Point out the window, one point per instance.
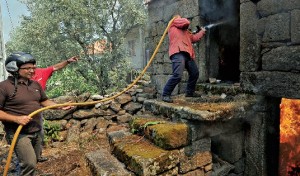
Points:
(131, 47)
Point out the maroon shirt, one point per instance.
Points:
(26, 101)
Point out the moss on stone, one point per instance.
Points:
(169, 135)
(138, 123)
(134, 146)
(144, 158)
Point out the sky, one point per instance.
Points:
(16, 10)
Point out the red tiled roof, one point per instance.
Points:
(98, 47)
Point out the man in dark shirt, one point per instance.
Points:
(20, 96)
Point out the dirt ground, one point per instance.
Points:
(69, 159)
(66, 159)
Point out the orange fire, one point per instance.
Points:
(289, 137)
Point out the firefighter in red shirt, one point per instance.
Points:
(182, 55)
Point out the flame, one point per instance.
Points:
(289, 137)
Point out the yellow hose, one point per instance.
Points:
(13, 143)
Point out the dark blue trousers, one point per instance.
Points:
(181, 61)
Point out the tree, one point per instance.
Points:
(62, 28)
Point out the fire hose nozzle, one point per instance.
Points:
(205, 27)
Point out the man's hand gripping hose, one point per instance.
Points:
(12, 146)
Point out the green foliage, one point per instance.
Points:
(65, 81)
(57, 30)
(134, 131)
(51, 131)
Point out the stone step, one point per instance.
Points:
(101, 163)
(211, 118)
(179, 143)
(176, 156)
(144, 158)
(206, 118)
(204, 108)
(162, 133)
(169, 135)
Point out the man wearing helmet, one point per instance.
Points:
(20, 96)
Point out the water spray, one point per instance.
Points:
(215, 24)
(210, 25)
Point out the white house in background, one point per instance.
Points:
(135, 47)
(135, 44)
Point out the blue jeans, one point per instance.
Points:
(181, 61)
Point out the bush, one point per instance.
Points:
(51, 132)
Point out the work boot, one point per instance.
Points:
(194, 94)
(167, 99)
(42, 159)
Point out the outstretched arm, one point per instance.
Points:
(63, 64)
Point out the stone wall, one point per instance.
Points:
(269, 65)
(80, 121)
(269, 44)
(270, 47)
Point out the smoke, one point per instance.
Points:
(219, 11)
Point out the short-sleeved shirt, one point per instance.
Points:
(42, 75)
(27, 99)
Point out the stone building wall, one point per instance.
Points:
(269, 44)
(269, 65)
(270, 47)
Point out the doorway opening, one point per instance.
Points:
(222, 39)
